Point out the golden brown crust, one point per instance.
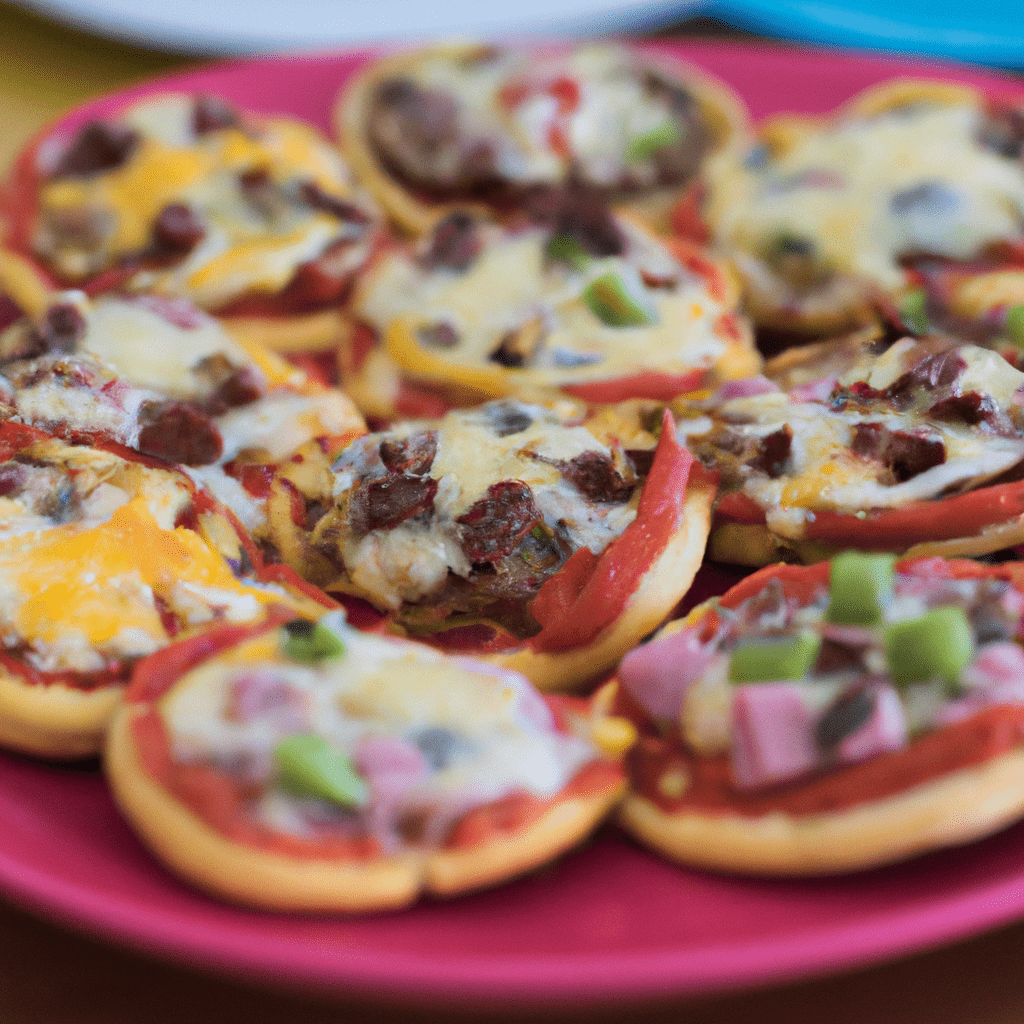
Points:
(753, 544)
(53, 720)
(805, 364)
(901, 92)
(661, 587)
(723, 109)
(949, 811)
(275, 881)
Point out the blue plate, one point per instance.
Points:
(990, 32)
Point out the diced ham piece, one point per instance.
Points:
(657, 675)
(259, 696)
(996, 676)
(745, 388)
(886, 729)
(391, 766)
(772, 735)
(814, 391)
(995, 665)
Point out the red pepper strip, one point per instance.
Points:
(474, 640)
(321, 367)
(156, 674)
(574, 610)
(1008, 252)
(255, 477)
(362, 341)
(963, 515)
(661, 387)
(415, 401)
(696, 261)
(203, 501)
(739, 507)
(686, 217)
(799, 581)
(14, 437)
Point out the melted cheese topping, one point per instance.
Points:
(512, 286)
(133, 354)
(149, 351)
(409, 561)
(868, 190)
(245, 248)
(280, 423)
(80, 593)
(822, 472)
(498, 735)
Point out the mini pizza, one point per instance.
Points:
(106, 557)
(822, 216)
(577, 301)
(830, 718)
(463, 123)
(162, 377)
(188, 197)
(314, 767)
(918, 450)
(548, 543)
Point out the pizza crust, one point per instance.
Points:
(753, 544)
(54, 721)
(950, 811)
(661, 587)
(901, 92)
(271, 880)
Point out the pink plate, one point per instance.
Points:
(608, 921)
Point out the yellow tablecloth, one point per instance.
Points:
(49, 975)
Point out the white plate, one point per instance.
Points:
(261, 26)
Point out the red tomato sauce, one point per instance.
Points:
(86, 682)
(974, 741)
